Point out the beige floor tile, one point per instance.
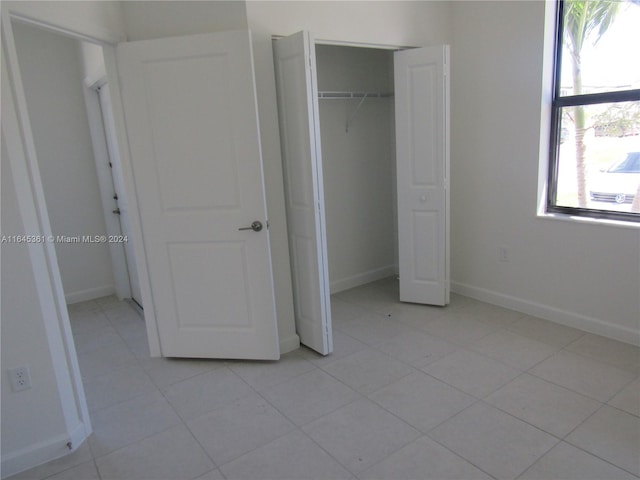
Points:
(105, 360)
(212, 475)
(342, 311)
(619, 354)
(494, 441)
(424, 459)
(492, 314)
(545, 405)
(612, 435)
(373, 299)
(167, 371)
(416, 348)
(545, 331)
(117, 386)
(567, 462)
(628, 399)
(343, 346)
(139, 346)
(459, 330)
(309, 396)
(120, 311)
(379, 342)
(514, 350)
(89, 340)
(472, 373)
(367, 370)
(129, 422)
(231, 431)
(108, 301)
(206, 392)
(583, 375)
(373, 328)
(422, 401)
(360, 434)
(262, 375)
(415, 315)
(84, 471)
(88, 306)
(293, 456)
(79, 457)
(87, 321)
(173, 454)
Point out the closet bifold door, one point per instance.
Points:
(296, 85)
(422, 156)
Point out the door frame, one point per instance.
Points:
(27, 174)
(105, 181)
(379, 46)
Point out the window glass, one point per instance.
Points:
(610, 155)
(596, 110)
(610, 62)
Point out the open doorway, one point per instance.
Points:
(356, 111)
(421, 144)
(77, 178)
(75, 156)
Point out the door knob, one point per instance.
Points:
(255, 226)
(116, 211)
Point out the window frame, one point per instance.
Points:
(557, 103)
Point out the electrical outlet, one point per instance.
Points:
(503, 254)
(20, 378)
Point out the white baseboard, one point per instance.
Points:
(362, 278)
(289, 344)
(43, 452)
(563, 317)
(89, 294)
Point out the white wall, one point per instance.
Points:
(584, 275)
(357, 165)
(33, 416)
(145, 20)
(52, 76)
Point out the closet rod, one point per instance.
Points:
(340, 95)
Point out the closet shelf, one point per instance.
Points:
(361, 95)
(342, 95)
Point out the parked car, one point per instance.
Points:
(619, 182)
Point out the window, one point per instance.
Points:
(595, 126)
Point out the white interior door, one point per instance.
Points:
(422, 155)
(120, 200)
(297, 89)
(190, 111)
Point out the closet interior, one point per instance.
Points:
(357, 131)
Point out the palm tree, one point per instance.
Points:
(582, 19)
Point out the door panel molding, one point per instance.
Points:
(422, 156)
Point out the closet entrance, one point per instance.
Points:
(364, 135)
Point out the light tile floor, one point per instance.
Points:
(470, 391)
